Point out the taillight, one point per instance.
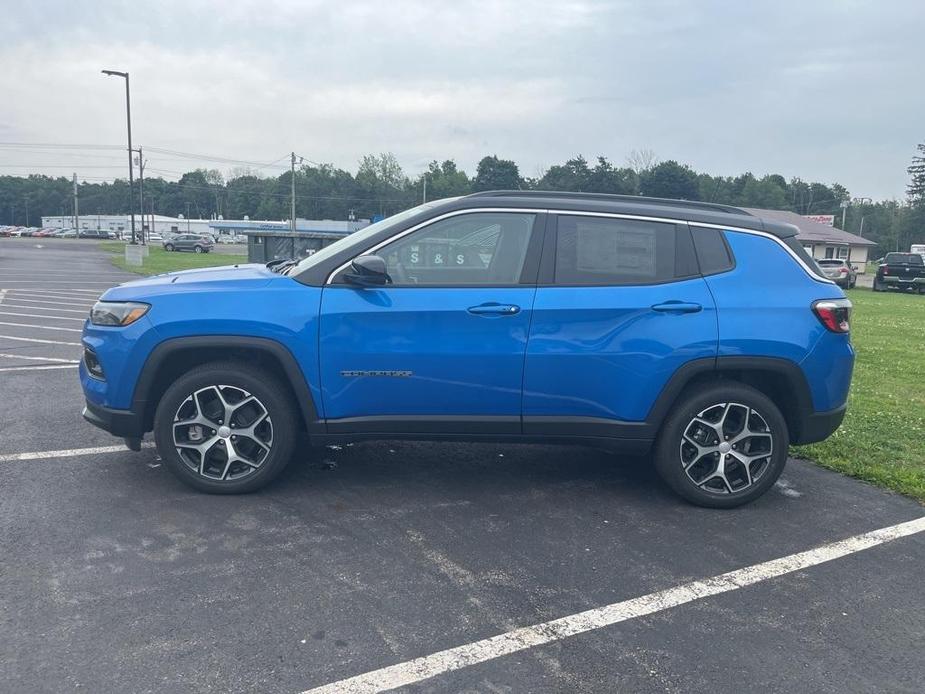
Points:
(844, 271)
(834, 314)
(886, 270)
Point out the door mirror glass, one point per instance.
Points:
(368, 271)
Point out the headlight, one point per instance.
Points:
(117, 312)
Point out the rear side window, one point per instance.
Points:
(713, 252)
(609, 251)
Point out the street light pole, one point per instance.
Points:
(128, 120)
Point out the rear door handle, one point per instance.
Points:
(493, 309)
(677, 307)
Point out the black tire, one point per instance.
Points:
(233, 376)
(877, 286)
(168, 247)
(198, 249)
(669, 451)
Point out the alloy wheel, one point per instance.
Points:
(222, 432)
(726, 448)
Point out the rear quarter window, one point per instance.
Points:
(713, 252)
(795, 246)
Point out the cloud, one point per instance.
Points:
(818, 90)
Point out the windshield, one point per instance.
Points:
(358, 237)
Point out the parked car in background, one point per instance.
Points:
(93, 234)
(153, 237)
(902, 271)
(636, 323)
(843, 273)
(189, 242)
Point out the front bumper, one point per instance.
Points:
(124, 423)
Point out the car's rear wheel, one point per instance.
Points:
(226, 428)
(723, 446)
(168, 247)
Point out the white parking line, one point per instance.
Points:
(59, 291)
(452, 659)
(43, 300)
(67, 453)
(38, 315)
(35, 339)
(7, 304)
(15, 281)
(38, 368)
(40, 327)
(23, 356)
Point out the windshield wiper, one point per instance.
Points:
(281, 266)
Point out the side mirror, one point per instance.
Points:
(368, 271)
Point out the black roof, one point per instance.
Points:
(688, 210)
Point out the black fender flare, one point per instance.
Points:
(276, 350)
(789, 372)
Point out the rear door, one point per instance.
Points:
(441, 349)
(620, 306)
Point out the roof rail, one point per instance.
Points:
(608, 197)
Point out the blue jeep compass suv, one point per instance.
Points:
(698, 332)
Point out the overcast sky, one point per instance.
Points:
(828, 90)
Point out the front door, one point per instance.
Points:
(441, 349)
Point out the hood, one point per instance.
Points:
(229, 277)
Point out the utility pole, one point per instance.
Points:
(187, 218)
(425, 187)
(141, 188)
(76, 211)
(844, 210)
(27, 210)
(292, 200)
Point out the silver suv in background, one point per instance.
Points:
(843, 273)
(189, 242)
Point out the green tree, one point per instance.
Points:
(493, 173)
(444, 180)
(916, 171)
(670, 180)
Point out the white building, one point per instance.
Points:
(121, 223)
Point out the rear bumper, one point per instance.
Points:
(820, 425)
(894, 281)
(124, 423)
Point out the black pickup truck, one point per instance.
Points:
(901, 271)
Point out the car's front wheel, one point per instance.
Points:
(723, 446)
(226, 428)
(168, 247)
(198, 249)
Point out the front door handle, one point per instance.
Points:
(677, 307)
(494, 309)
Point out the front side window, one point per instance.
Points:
(609, 251)
(483, 248)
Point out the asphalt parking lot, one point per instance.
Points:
(377, 557)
